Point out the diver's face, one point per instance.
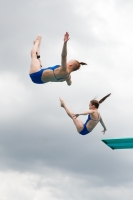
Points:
(91, 107)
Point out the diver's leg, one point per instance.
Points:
(35, 63)
(77, 122)
(62, 104)
(38, 53)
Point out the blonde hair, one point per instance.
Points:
(78, 65)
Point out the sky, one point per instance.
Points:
(42, 156)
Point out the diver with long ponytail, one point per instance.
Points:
(93, 116)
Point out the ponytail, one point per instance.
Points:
(77, 66)
(82, 63)
(104, 98)
(97, 103)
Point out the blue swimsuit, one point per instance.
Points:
(36, 77)
(85, 131)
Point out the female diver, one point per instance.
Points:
(57, 73)
(93, 117)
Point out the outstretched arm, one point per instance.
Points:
(84, 113)
(103, 125)
(64, 52)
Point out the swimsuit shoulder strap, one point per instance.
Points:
(96, 119)
(65, 76)
(62, 76)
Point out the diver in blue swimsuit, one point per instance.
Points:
(57, 73)
(93, 117)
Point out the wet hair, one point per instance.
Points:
(96, 103)
(77, 66)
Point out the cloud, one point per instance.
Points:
(56, 185)
(42, 155)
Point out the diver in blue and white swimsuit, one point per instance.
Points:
(93, 116)
(57, 73)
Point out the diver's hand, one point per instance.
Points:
(104, 131)
(75, 116)
(66, 37)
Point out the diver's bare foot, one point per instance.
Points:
(38, 39)
(62, 103)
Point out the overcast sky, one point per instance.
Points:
(41, 154)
